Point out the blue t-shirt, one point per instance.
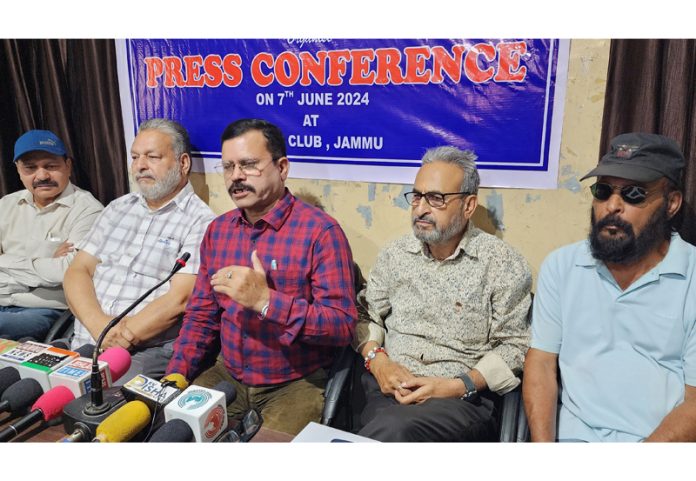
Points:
(624, 356)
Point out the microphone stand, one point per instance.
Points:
(97, 405)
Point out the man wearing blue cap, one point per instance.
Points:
(615, 314)
(38, 227)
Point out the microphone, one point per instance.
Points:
(119, 361)
(85, 350)
(76, 375)
(37, 361)
(177, 379)
(124, 423)
(60, 344)
(152, 392)
(181, 262)
(8, 376)
(114, 363)
(19, 396)
(97, 405)
(173, 431)
(47, 407)
(204, 410)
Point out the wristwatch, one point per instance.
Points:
(471, 393)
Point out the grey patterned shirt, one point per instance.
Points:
(443, 318)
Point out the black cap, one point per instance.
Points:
(641, 157)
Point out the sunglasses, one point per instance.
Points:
(245, 430)
(631, 194)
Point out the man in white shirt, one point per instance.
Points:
(134, 245)
(38, 228)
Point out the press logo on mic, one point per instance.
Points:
(193, 399)
(214, 422)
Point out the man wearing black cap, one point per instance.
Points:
(38, 227)
(616, 312)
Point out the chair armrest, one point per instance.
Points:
(338, 376)
(59, 327)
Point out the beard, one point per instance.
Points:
(628, 248)
(162, 187)
(438, 235)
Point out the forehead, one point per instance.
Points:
(439, 177)
(40, 157)
(151, 140)
(249, 145)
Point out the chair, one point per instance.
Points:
(512, 419)
(62, 328)
(338, 409)
(338, 387)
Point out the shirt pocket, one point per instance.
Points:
(157, 257)
(293, 282)
(660, 335)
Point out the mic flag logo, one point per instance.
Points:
(194, 399)
(213, 423)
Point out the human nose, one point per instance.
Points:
(236, 172)
(136, 162)
(421, 206)
(614, 203)
(42, 173)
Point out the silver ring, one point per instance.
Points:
(228, 275)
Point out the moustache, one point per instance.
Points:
(144, 176)
(616, 221)
(44, 183)
(423, 218)
(240, 186)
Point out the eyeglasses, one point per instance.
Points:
(245, 430)
(434, 199)
(631, 194)
(248, 167)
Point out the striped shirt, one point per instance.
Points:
(309, 270)
(137, 248)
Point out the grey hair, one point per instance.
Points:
(180, 138)
(464, 159)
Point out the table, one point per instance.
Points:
(47, 434)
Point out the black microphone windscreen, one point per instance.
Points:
(22, 394)
(86, 350)
(185, 256)
(229, 390)
(60, 345)
(173, 431)
(8, 376)
(26, 339)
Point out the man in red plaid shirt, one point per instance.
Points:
(274, 290)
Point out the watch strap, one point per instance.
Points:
(471, 392)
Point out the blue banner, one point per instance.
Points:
(363, 109)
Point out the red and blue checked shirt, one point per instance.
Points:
(309, 269)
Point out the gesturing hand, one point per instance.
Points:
(245, 285)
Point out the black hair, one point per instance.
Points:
(275, 142)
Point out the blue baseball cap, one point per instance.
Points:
(38, 140)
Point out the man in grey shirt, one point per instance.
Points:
(447, 321)
(38, 227)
